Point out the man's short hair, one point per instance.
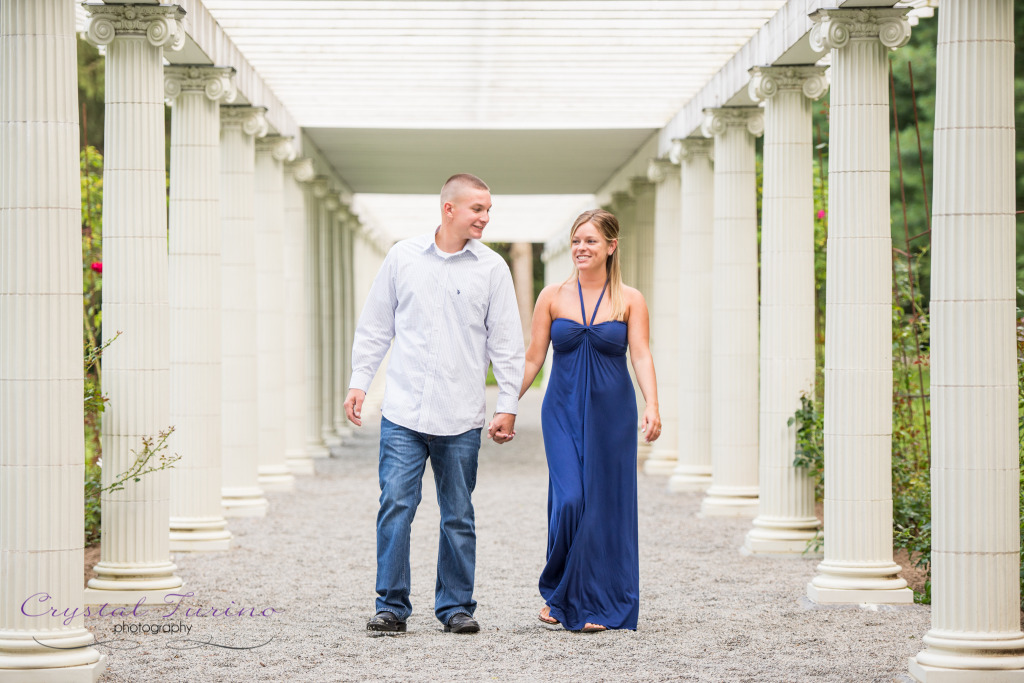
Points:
(459, 182)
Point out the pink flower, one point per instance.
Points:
(97, 266)
(821, 214)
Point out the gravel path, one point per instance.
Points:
(707, 613)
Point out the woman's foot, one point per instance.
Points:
(593, 628)
(545, 616)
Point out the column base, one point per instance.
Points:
(276, 478)
(342, 429)
(690, 478)
(731, 501)
(871, 585)
(199, 535)
(782, 536)
(128, 584)
(299, 463)
(24, 659)
(331, 438)
(317, 449)
(84, 673)
(658, 465)
(243, 502)
(933, 674)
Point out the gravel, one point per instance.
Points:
(707, 613)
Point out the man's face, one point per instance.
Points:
(469, 213)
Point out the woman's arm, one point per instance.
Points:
(540, 337)
(639, 336)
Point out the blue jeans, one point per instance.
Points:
(453, 459)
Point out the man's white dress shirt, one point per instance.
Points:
(449, 315)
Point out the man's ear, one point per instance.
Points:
(448, 209)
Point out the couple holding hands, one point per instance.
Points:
(448, 303)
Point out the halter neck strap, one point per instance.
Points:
(583, 308)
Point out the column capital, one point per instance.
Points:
(834, 28)
(160, 24)
(717, 120)
(332, 202)
(321, 187)
(280, 146)
(660, 169)
(639, 184)
(684, 149)
(302, 169)
(252, 120)
(216, 82)
(623, 198)
(767, 81)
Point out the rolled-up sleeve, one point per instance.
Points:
(505, 340)
(376, 327)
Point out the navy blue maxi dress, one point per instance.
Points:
(589, 419)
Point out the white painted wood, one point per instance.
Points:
(296, 320)
(786, 522)
(241, 492)
(664, 313)
(696, 210)
(197, 520)
(315, 446)
(734, 353)
(135, 557)
(975, 534)
(272, 468)
(858, 565)
(41, 438)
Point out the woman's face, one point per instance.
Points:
(590, 250)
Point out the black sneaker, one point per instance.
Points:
(462, 623)
(385, 622)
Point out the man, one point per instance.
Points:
(448, 303)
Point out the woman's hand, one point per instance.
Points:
(650, 425)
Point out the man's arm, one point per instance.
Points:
(373, 337)
(505, 351)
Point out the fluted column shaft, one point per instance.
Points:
(272, 469)
(241, 493)
(696, 211)
(328, 357)
(625, 211)
(664, 311)
(350, 310)
(786, 521)
(296, 322)
(643, 238)
(135, 556)
(975, 468)
(315, 446)
(734, 354)
(858, 564)
(196, 517)
(339, 378)
(41, 439)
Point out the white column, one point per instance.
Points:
(271, 467)
(296, 321)
(664, 312)
(639, 250)
(135, 556)
(521, 255)
(975, 632)
(340, 376)
(625, 212)
(858, 564)
(197, 517)
(241, 494)
(315, 446)
(696, 181)
(734, 355)
(41, 440)
(349, 309)
(786, 521)
(328, 278)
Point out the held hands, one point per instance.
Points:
(354, 406)
(650, 425)
(501, 429)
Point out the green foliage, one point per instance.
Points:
(810, 442)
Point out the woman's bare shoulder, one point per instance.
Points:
(631, 295)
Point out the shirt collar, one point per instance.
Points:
(473, 247)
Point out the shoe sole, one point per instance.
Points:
(381, 628)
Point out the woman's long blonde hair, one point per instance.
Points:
(608, 225)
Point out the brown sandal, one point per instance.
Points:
(547, 618)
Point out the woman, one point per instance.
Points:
(591, 579)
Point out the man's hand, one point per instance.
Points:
(354, 406)
(502, 428)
